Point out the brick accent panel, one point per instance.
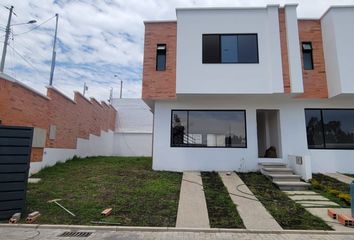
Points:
(37, 154)
(315, 83)
(159, 84)
(284, 50)
(73, 119)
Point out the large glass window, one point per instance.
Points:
(208, 128)
(230, 48)
(330, 128)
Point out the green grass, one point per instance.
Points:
(222, 211)
(332, 189)
(285, 211)
(138, 195)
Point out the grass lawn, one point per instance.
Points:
(286, 212)
(332, 189)
(138, 195)
(222, 211)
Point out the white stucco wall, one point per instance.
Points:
(293, 45)
(338, 38)
(292, 127)
(94, 146)
(132, 144)
(192, 76)
(133, 115)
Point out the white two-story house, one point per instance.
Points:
(227, 84)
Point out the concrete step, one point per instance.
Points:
(292, 186)
(282, 170)
(285, 177)
(272, 165)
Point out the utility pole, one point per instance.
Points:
(7, 33)
(85, 89)
(54, 54)
(110, 96)
(121, 89)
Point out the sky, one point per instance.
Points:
(100, 42)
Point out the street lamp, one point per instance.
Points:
(7, 34)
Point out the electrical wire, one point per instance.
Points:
(37, 26)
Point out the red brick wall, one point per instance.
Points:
(159, 84)
(284, 50)
(73, 119)
(315, 83)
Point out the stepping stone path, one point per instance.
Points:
(340, 177)
(310, 199)
(317, 205)
(251, 210)
(192, 209)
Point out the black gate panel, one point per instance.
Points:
(15, 154)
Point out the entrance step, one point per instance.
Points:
(277, 170)
(284, 177)
(272, 165)
(292, 186)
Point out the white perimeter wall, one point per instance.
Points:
(292, 127)
(132, 144)
(94, 146)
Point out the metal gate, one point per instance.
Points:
(15, 153)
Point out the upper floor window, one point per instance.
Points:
(230, 48)
(307, 55)
(161, 57)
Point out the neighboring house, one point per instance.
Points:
(133, 134)
(226, 84)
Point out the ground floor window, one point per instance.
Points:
(330, 128)
(208, 128)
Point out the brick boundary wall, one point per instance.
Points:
(78, 118)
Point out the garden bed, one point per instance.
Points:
(221, 210)
(285, 211)
(332, 189)
(138, 195)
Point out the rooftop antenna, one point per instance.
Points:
(121, 86)
(110, 96)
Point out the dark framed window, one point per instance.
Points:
(330, 128)
(208, 128)
(307, 55)
(230, 48)
(161, 57)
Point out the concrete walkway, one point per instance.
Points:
(340, 177)
(16, 233)
(253, 213)
(310, 199)
(322, 213)
(192, 208)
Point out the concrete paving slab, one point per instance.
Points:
(34, 180)
(253, 213)
(192, 208)
(301, 193)
(341, 177)
(317, 203)
(307, 197)
(322, 213)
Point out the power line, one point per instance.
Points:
(34, 28)
(24, 59)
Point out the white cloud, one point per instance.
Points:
(100, 38)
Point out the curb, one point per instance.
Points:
(173, 229)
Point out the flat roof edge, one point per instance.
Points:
(335, 7)
(159, 21)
